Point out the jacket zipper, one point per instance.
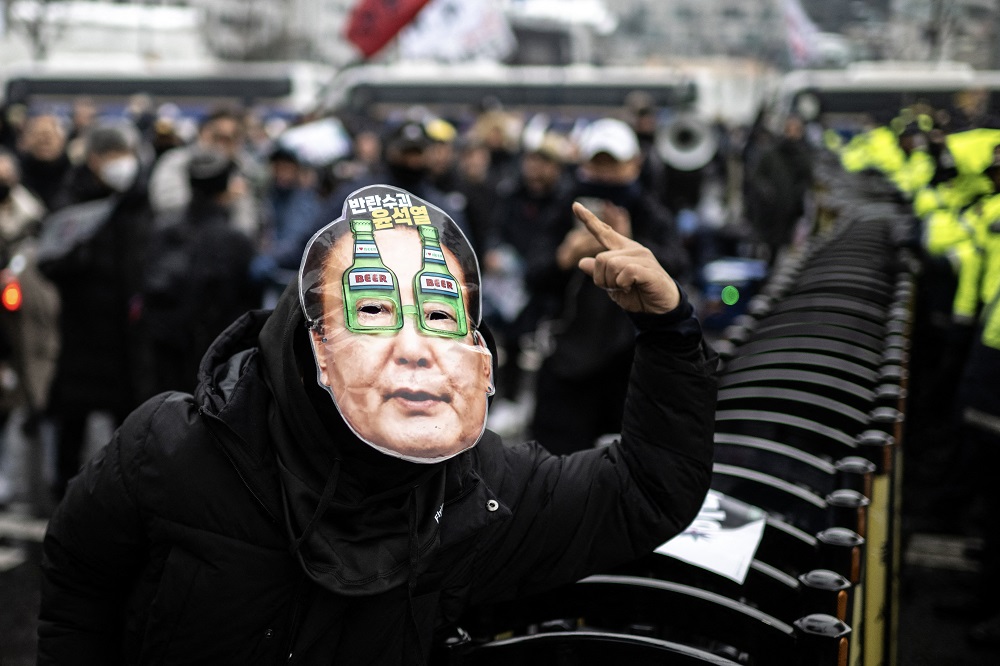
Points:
(293, 627)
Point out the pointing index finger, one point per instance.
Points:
(605, 235)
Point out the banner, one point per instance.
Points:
(373, 23)
(458, 30)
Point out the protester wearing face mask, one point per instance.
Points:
(96, 266)
(110, 165)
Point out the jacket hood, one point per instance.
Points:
(359, 522)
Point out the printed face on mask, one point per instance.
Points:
(396, 346)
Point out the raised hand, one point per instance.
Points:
(627, 270)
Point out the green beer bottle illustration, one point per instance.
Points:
(441, 310)
(371, 293)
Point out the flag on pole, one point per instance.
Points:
(373, 23)
(458, 30)
(800, 33)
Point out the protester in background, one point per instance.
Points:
(459, 168)
(366, 153)
(514, 307)
(644, 120)
(494, 129)
(97, 268)
(20, 211)
(165, 136)
(196, 278)
(582, 383)
(778, 185)
(477, 188)
(222, 130)
(29, 339)
(440, 154)
(44, 162)
(82, 118)
(13, 117)
(293, 208)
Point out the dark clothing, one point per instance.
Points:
(518, 215)
(45, 178)
(292, 221)
(100, 365)
(246, 524)
(98, 282)
(778, 186)
(576, 411)
(196, 283)
(477, 202)
(593, 338)
(80, 184)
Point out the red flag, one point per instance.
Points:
(373, 23)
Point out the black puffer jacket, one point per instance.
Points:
(175, 544)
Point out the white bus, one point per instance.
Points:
(457, 91)
(283, 88)
(847, 99)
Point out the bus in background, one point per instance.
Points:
(851, 99)
(459, 92)
(279, 89)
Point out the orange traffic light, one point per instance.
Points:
(11, 296)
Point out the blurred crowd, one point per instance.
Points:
(129, 242)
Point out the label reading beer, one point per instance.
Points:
(366, 249)
(434, 255)
(434, 283)
(369, 278)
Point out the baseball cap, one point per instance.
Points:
(610, 136)
(408, 136)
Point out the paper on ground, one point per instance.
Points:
(723, 538)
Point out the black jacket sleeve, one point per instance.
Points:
(94, 545)
(578, 514)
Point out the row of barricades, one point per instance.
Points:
(808, 427)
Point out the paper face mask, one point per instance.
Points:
(391, 293)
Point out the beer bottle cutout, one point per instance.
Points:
(371, 294)
(440, 308)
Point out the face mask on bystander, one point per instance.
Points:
(119, 174)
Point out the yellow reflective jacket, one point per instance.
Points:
(978, 259)
(952, 195)
(972, 150)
